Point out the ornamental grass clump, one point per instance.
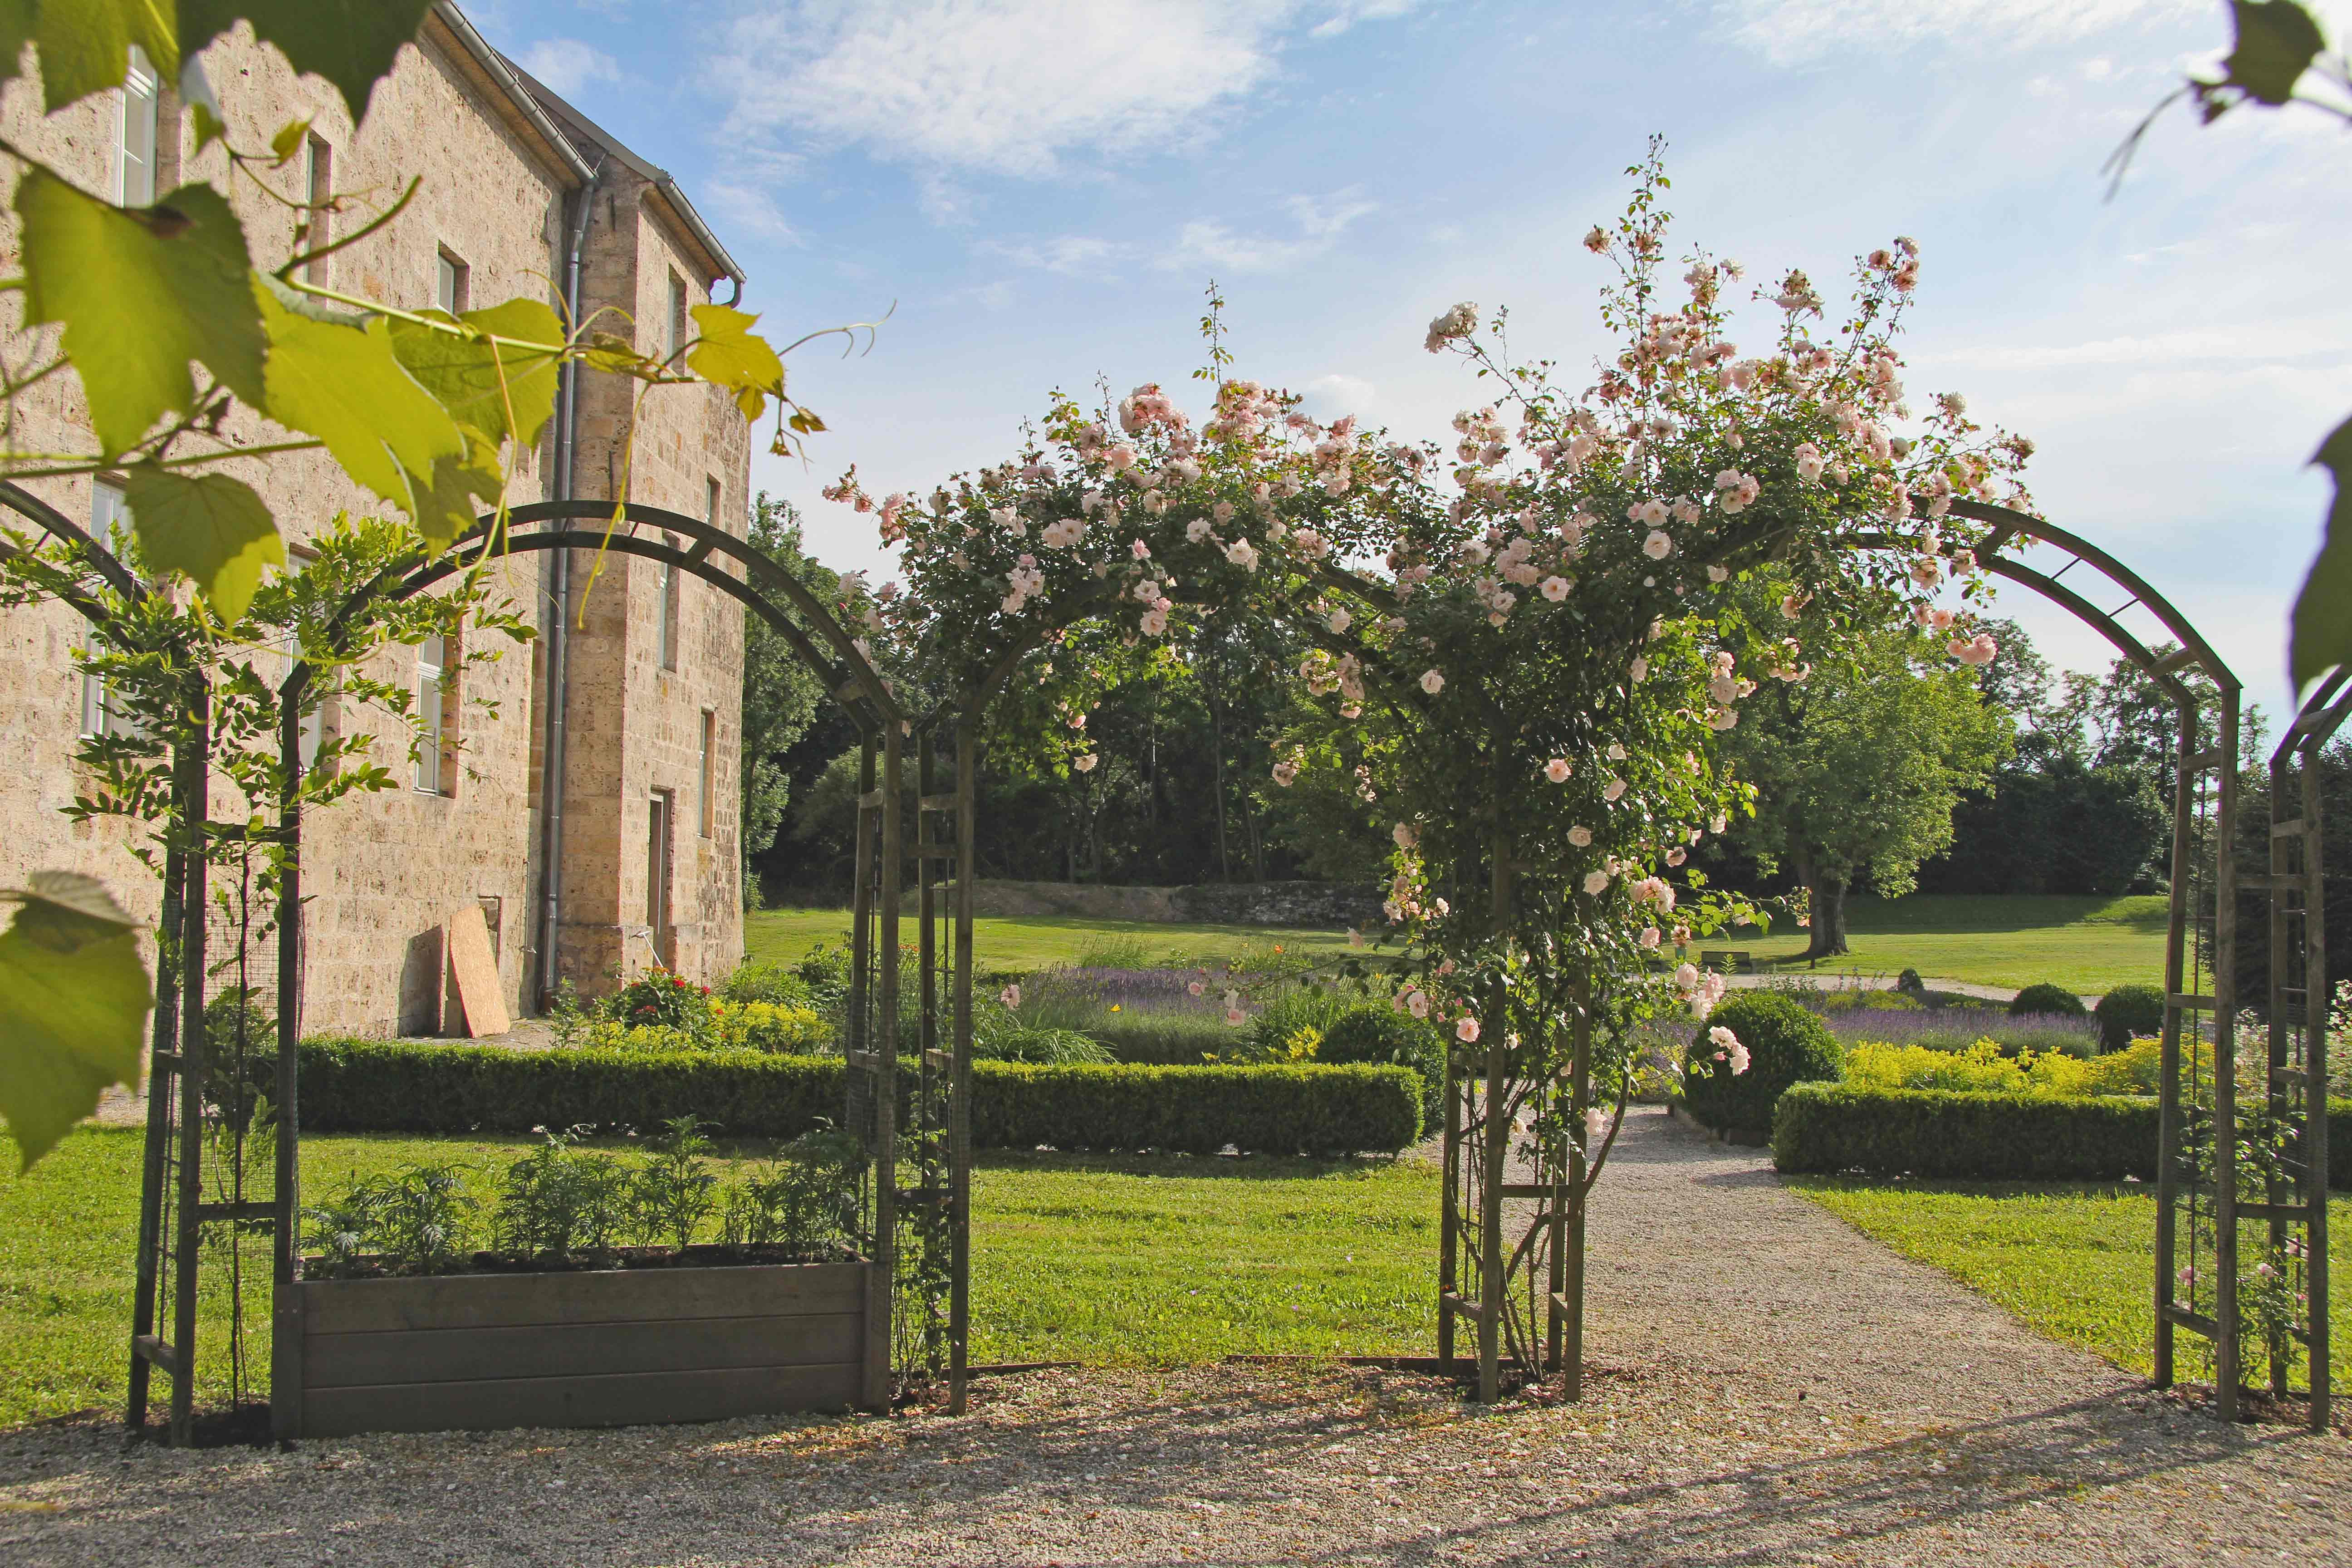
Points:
(1783, 1043)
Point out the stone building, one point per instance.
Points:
(585, 797)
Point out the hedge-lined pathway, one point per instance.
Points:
(1770, 1388)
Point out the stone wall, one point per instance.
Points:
(385, 870)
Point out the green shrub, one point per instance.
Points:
(381, 1086)
(2129, 1013)
(1981, 1137)
(1382, 1036)
(2047, 997)
(662, 998)
(1785, 1043)
(772, 983)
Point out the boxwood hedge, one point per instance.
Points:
(380, 1085)
(1988, 1137)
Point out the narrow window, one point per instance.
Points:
(710, 504)
(709, 759)
(657, 872)
(430, 674)
(677, 314)
(314, 722)
(134, 164)
(110, 527)
(668, 581)
(319, 183)
(453, 282)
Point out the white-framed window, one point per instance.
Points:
(667, 579)
(319, 188)
(134, 162)
(710, 504)
(704, 811)
(453, 283)
(677, 319)
(110, 528)
(432, 670)
(314, 722)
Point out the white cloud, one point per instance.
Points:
(1321, 220)
(1793, 32)
(1328, 397)
(568, 66)
(1008, 87)
(1064, 253)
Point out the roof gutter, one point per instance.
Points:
(701, 231)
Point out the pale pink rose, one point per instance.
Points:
(1556, 770)
(1341, 620)
(1196, 988)
(1555, 589)
(1596, 883)
(1404, 835)
(1466, 1030)
(1431, 682)
(1010, 997)
(1235, 1017)
(1580, 836)
(1658, 545)
(1613, 790)
(1085, 763)
(1416, 1003)
(1652, 936)
(1285, 773)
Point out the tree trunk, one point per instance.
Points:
(1828, 929)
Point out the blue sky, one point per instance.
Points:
(1042, 189)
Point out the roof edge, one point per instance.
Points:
(504, 76)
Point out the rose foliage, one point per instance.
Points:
(1532, 634)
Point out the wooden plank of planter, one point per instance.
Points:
(614, 1400)
(595, 1296)
(578, 1349)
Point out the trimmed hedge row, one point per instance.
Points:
(1990, 1137)
(378, 1086)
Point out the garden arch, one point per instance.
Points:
(176, 1201)
(2205, 1148)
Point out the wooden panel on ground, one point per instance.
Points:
(593, 1347)
(474, 968)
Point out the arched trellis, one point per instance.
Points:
(175, 1205)
(2199, 1127)
(2203, 1143)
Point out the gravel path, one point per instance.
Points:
(1770, 1387)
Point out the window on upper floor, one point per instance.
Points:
(318, 190)
(677, 316)
(666, 579)
(453, 283)
(436, 705)
(706, 805)
(110, 527)
(710, 504)
(134, 162)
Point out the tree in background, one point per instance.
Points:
(1859, 768)
(780, 693)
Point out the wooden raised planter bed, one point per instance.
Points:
(586, 1348)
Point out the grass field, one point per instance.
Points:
(2076, 1262)
(2089, 945)
(1074, 1260)
(784, 936)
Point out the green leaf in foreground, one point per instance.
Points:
(73, 1008)
(465, 372)
(735, 357)
(2321, 631)
(86, 44)
(2277, 41)
(351, 43)
(342, 384)
(141, 292)
(210, 526)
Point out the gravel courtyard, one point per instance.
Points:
(1770, 1387)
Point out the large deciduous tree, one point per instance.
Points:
(1859, 768)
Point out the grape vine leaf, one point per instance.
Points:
(2276, 42)
(343, 385)
(460, 484)
(351, 43)
(2320, 635)
(464, 373)
(729, 354)
(139, 293)
(86, 44)
(210, 526)
(74, 999)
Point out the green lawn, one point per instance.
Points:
(1039, 942)
(2089, 945)
(2076, 1262)
(1074, 1260)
